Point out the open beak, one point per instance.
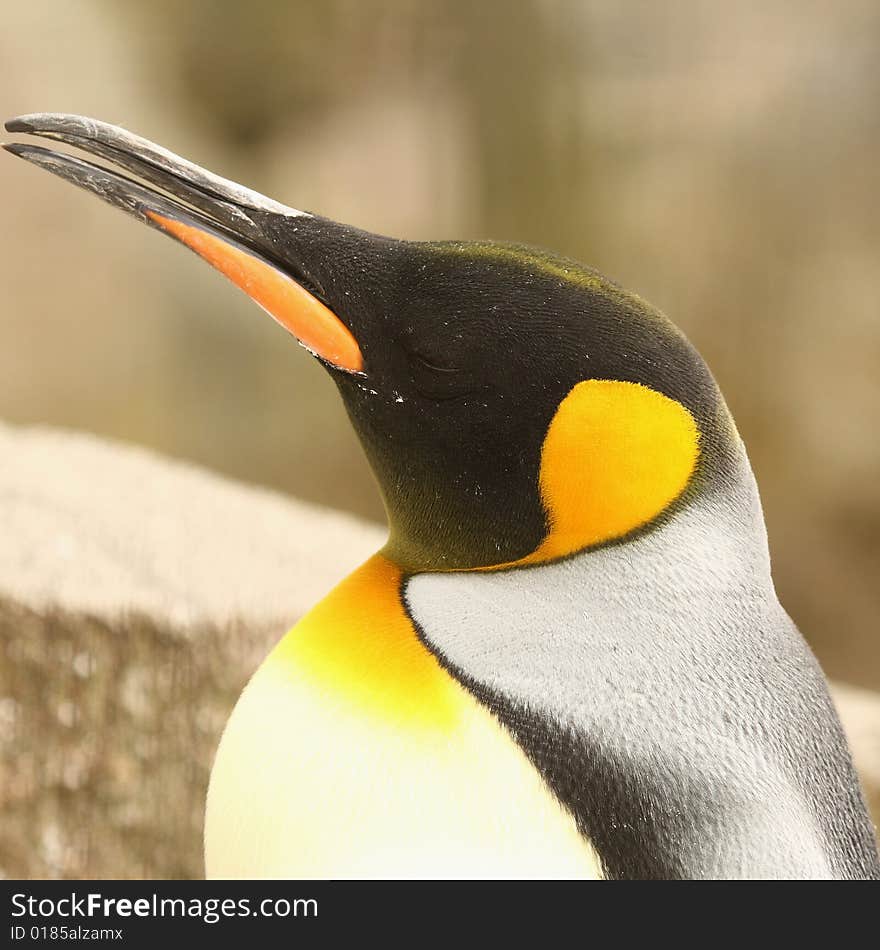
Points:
(221, 221)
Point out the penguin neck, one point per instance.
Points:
(700, 574)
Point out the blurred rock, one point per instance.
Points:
(105, 528)
(136, 597)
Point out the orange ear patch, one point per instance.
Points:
(313, 324)
(616, 456)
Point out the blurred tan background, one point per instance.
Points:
(722, 160)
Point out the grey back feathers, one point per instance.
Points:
(665, 696)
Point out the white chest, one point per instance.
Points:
(305, 786)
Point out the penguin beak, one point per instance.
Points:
(223, 222)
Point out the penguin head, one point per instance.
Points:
(514, 406)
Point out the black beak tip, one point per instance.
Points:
(14, 147)
(17, 125)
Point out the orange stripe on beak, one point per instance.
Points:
(313, 324)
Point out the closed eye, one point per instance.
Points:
(440, 383)
(428, 364)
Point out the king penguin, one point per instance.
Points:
(569, 659)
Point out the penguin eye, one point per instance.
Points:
(426, 363)
(436, 381)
